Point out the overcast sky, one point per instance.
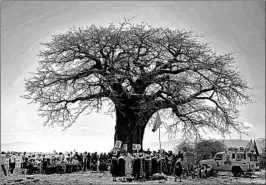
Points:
(227, 26)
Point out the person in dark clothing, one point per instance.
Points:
(95, 157)
(154, 165)
(80, 160)
(209, 171)
(180, 155)
(28, 165)
(49, 167)
(68, 158)
(89, 161)
(170, 163)
(94, 160)
(94, 165)
(203, 172)
(178, 170)
(71, 156)
(12, 163)
(84, 162)
(142, 166)
(121, 166)
(148, 167)
(104, 156)
(44, 163)
(102, 165)
(136, 168)
(114, 167)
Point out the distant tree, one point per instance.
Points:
(185, 146)
(188, 149)
(137, 70)
(262, 158)
(207, 149)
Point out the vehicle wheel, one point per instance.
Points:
(237, 171)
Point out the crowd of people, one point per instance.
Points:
(65, 163)
(146, 164)
(122, 165)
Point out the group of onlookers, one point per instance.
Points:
(202, 171)
(61, 163)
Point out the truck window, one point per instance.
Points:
(238, 157)
(227, 158)
(252, 157)
(233, 155)
(243, 156)
(218, 157)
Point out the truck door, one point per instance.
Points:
(241, 161)
(227, 164)
(218, 161)
(238, 157)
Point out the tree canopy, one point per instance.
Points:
(198, 150)
(208, 148)
(139, 69)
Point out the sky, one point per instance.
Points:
(227, 26)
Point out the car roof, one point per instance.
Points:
(220, 152)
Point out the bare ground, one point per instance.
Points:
(90, 178)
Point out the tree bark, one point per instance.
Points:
(130, 127)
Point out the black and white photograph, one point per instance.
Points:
(133, 92)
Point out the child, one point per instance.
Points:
(202, 172)
(209, 171)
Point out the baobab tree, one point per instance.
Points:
(138, 70)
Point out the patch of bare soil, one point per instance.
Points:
(90, 178)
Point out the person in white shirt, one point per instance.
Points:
(3, 161)
(24, 156)
(12, 162)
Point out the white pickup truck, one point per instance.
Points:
(237, 161)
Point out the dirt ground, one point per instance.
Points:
(90, 178)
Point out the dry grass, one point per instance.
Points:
(100, 178)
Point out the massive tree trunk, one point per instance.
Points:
(130, 127)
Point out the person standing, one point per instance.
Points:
(185, 165)
(154, 164)
(24, 156)
(136, 167)
(203, 172)
(89, 161)
(209, 171)
(121, 166)
(128, 165)
(12, 162)
(114, 167)
(178, 169)
(3, 161)
(85, 161)
(148, 166)
(170, 165)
